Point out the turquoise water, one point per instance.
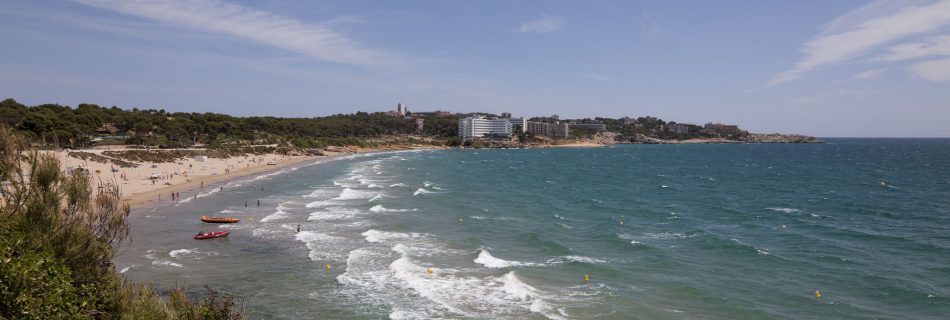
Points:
(662, 231)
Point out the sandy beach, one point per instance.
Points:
(580, 144)
(154, 182)
(150, 183)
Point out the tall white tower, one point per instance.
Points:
(402, 109)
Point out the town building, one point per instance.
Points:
(471, 128)
(678, 128)
(554, 130)
(722, 129)
(595, 127)
(519, 124)
(402, 109)
(626, 121)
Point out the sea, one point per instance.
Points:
(849, 229)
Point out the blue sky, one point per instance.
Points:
(825, 68)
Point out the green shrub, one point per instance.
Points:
(57, 241)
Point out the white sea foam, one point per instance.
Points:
(278, 215)
(126, 269)
(321, 203)
(486, 259)
(376, 198)
(658, 236)
(322, 247)
(180, 252)
(281, 213)
(373, 235)
(353, 194)
(166, 263)
(267, 233)
(380, 208)
(407, 287)
(422, 191)
(263, 176)
(397, 185)
(493, 218)
(574, 258)
(190, 254)
(784, 210)
(333, 213)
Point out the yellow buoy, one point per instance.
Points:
(460, 220)
(328, 267)
(586, 278)
(883, 184)
(621, 221)
(817, 294)
(429, 270)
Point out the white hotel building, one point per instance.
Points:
(472, 128)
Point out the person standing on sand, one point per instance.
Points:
(298, 228)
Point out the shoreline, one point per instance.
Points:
(147, 199)
(145, 186)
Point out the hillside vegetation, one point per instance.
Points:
(57, 241)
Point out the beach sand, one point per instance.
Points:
(580, 144)
(189, 174)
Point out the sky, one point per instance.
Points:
(824, 68)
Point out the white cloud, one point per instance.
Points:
(870, 74)
(866, 28)
(316, 41)
(939, 45)
(598, 77)
(545, 24)
(935, 70)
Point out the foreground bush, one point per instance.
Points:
(57, 241)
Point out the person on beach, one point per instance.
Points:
(258, 203)
(298, 228)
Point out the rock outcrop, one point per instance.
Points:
(780, 138)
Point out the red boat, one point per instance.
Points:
(212, 235)
(219, 220)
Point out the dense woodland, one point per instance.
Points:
(53, 124)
